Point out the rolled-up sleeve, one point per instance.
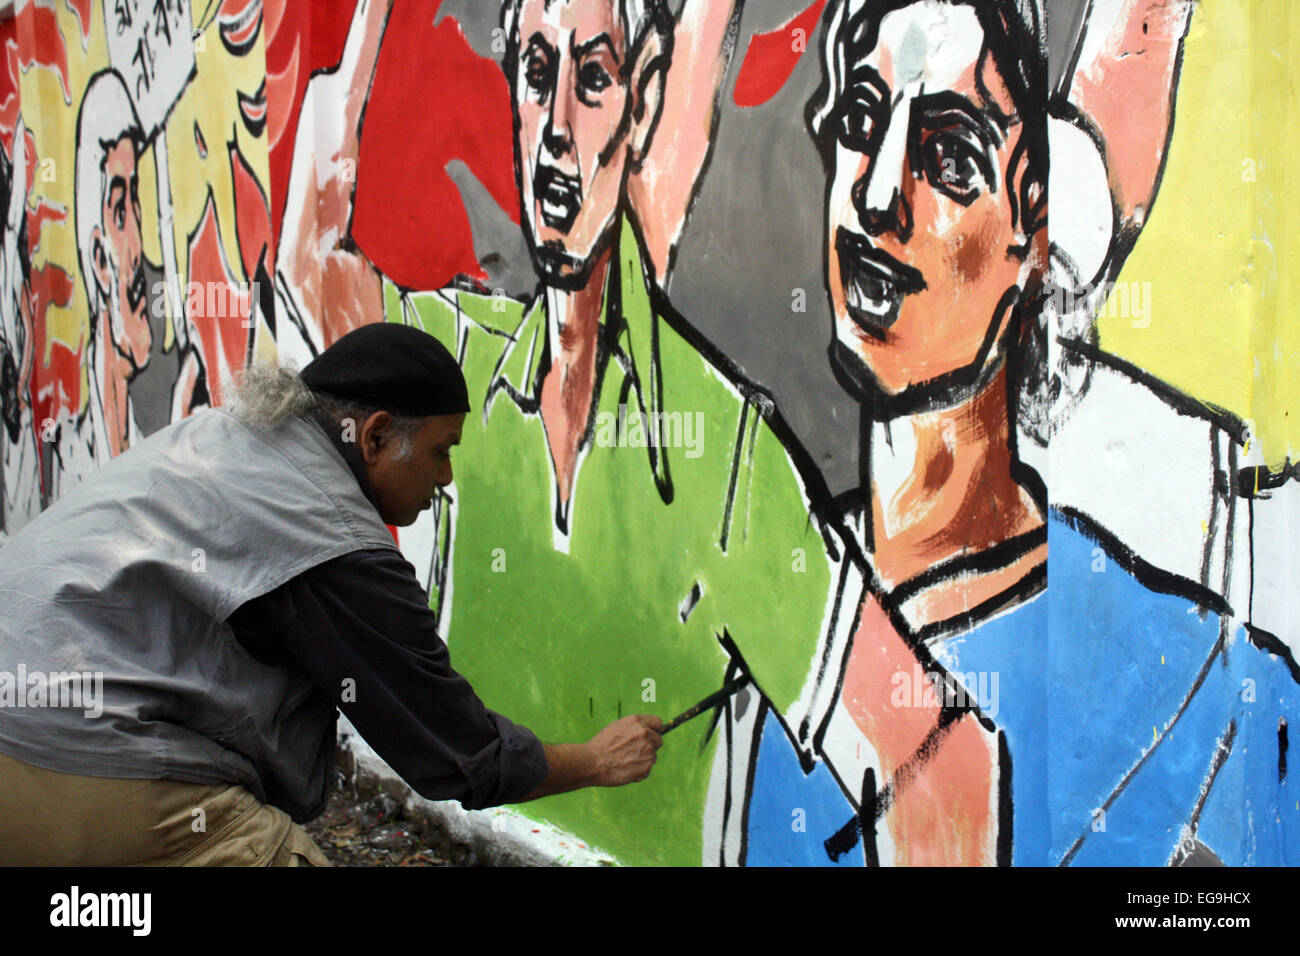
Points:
(361, 627)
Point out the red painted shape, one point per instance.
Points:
(55, 384)
(772, 57)
(223, 340)
(279, 98)
(434, 100)
(40, 43)
(56, 373)
(301, 38)
(45, 211)
(31, 38)
(252, 215)
(273, 11)
(229, 20)
(10, 103)
(393, 531)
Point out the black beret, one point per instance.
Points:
(395, 368)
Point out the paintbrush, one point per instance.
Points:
(717, 697)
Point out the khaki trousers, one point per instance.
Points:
(49, 818)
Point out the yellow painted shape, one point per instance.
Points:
(1217, 247)
(209, 100)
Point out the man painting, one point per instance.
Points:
(250, 546)
(586, 392)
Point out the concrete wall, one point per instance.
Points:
(943, 387)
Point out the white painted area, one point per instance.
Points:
(932, 43)
(820, 693)
(739, 730)
(417, 542)
(1081, 203)
(893, 462)
(293, 348)
(1274, 546)
(151, 44)
(1139, 469)
(519, 840)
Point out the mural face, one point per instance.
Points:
(920, 223)
(1005, 581)
(574, 122)
(124, 326)
(119, 268)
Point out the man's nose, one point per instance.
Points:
(882, 196)
(558, 135)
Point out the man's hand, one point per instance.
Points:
(626, 749)
(621, 753)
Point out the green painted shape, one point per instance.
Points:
(565, 642)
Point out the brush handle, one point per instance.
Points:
(717, 697)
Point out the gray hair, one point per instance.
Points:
(268, 394)
(107, 114)
(638, 17)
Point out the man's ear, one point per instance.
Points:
(374, 436)
(99, 259)
(649, 75)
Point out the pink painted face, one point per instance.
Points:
(920, 227)
(121, 217)
(573, 120)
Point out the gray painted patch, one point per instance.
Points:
(151, 389)
(1064, 24)
(477, 18)
(755, 237)
(913, 54)
(498, 242)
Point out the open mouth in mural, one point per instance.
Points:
(874, 283)
(135, 291)
(559, 196)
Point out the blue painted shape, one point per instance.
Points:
(1090, 675)
(780, 789)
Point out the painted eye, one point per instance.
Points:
(857, 125)
(536, 72)
(594, 78)
(956, 165)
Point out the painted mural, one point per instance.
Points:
(784, 383)
(136, 223)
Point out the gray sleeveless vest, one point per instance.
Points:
(115, 658)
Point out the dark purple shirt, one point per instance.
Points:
(363, 618)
